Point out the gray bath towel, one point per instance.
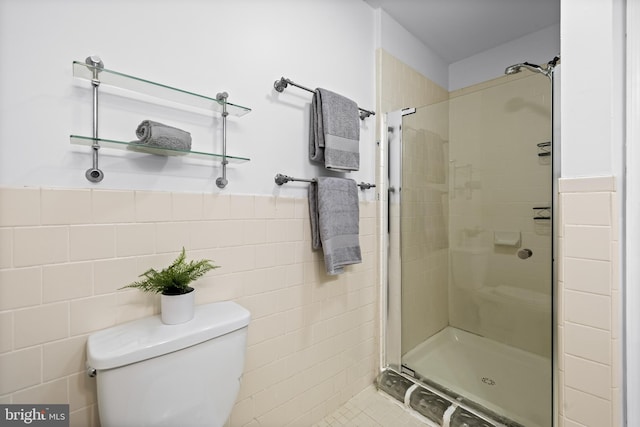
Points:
(334, 134)
(335, 214)
(158, 135)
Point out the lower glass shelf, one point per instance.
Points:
(141, 148)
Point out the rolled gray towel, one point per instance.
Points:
(158, 135)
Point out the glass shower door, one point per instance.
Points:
(475, 244)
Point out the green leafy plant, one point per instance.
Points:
(175, 279)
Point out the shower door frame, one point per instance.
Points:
(391, 298)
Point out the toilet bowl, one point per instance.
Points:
(152, 374)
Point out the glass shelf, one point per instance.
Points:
(158, 90)
(140, 148)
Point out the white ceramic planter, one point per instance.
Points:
(175, 309)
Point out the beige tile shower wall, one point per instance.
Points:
(589, 317)
(400, 86)
(64, 253)
(425, 264)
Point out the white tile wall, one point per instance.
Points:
(589, 356)
(64, 254)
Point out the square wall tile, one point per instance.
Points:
(588, 242)
(587, 185)
(587, 376)
(135, 239)
(67, 281)
(20, 369)
(587, 309)
(265, 207)
(285, 207)
(19, 207)
(20, 287)
(89, 242)
(112, 274)
(587, 275)
(82, 391)
(173, 236)
(587, 209)
(64, 357)
(6, 247)
(92, 314)
(60, 206)
(6, 332)
(242, 207)
(586, 409)
(40, 324)
(587, 342)
(40, 245)
(47, 393)
(110, 207)
(153, 206)
(187, 206)
(216, 206)
(254, 232)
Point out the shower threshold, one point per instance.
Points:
(435, 404)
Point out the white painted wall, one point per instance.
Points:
(239, 46)
(538, 48)
(399, 42)
(593, 122)
(591, 88)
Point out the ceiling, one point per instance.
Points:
(457, 29)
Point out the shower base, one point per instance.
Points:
(512, 386)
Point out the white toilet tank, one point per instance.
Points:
(152, 374)
(469, 267)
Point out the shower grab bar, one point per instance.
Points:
(281, 85)
(283, 179)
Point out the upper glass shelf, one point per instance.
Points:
(158, 90)
(140, 148)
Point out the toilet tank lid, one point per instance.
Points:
(148, 337)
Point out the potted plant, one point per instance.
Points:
(172, 283)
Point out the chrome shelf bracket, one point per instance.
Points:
(94, 174)
(222, 181)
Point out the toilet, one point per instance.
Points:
(152, 374)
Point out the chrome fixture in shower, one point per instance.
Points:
(548, 71)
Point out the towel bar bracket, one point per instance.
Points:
(283, 83)
(283, 179)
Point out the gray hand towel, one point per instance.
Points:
(334, 133)
(335, 214)
(158, 135)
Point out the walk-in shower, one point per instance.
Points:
(469, 319)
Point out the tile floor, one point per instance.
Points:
(371, 408)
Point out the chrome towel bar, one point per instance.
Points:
(283, 179)
(281, 85)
